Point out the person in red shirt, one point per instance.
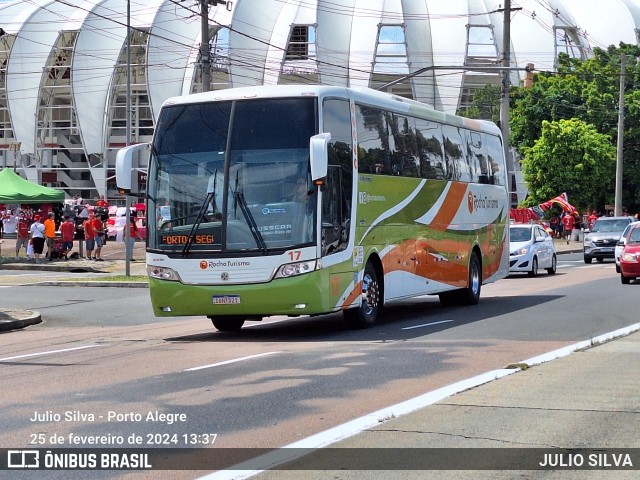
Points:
(98, 227)
(591, 219)
(67, 233)
(89, 235)
(568, 222)
(101, 202)
(22, 234)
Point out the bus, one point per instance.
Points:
(305, 199)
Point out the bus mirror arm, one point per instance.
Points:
(124, 168)
(318, 155)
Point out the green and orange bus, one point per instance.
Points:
(304, 200)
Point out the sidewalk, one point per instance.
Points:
(563, 247)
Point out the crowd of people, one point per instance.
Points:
(48, 232)
(570, 227)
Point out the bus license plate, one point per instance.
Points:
(226, 299)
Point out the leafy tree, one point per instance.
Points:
(570, 156)
(587, 90)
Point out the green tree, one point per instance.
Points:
(587, 90)
(570, 156)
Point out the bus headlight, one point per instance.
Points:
(298, 268)
(162, 273)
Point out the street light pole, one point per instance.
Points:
(504, 97)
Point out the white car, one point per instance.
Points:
(621, 243)
(532, 248)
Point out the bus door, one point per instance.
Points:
(335, 213)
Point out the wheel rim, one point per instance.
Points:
(475, 278)
(370, 294)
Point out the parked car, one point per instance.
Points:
(600, 242)
(621, 243)
(630, 257)
(531, 248)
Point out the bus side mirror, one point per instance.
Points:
(318, 155)
(124, 168)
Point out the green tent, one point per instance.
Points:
(15, 189)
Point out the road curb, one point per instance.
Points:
(48, 267)
(74, 283)
(15, 319)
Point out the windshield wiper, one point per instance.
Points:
(196, 224)
(253, 226)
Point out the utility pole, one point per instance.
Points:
(127, 246)
(617, 207)
(504, 97)
(205, 62)
(205, 54)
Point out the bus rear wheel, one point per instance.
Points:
(227, 323)
(367, 313)
(469, 295)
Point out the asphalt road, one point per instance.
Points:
(100, 355)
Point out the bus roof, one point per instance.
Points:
(363, 95)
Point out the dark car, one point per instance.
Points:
(600, 242)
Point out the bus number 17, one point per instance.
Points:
(295, 255)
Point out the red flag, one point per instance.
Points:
(561, 200)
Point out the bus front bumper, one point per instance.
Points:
(300, 295)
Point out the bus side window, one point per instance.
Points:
(429, 145)
(373, 141)
(455, 153)
(407, 162)
(495, 153)
(478, 158)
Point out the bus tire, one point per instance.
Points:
(469, 295)
(367, 313)
(227, 323)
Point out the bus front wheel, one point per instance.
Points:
(367, 313)
(227, 323)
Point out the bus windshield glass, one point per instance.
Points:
(232, 176)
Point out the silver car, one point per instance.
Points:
(600, 242)
(531, 248)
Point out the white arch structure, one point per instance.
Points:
(337, 42)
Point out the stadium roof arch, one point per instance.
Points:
(334, 42)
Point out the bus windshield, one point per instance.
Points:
(232, 176)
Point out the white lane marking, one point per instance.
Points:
(426, 324)
(48, 353)
(226, 362)
(349, 429)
